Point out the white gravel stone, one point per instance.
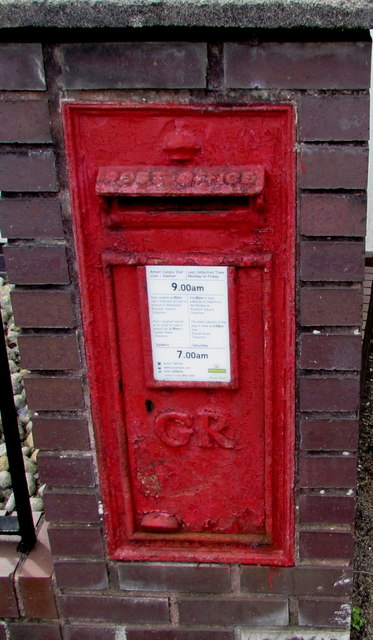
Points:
(30, 483)
(28, 427)
(29, 442)
(20, 400)
(4, 463)
(10, 503)
(17, 382)
(30, 466)
(12, 366)
(24, 415)
(41, 490)
(36, 503)
(5, 480)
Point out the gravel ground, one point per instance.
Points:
(30, 454)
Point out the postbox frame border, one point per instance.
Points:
(275, 556)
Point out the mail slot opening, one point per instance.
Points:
(122, 211)
(182, 204)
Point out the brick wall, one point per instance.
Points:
(95, 597)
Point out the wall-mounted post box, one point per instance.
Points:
(184, 219)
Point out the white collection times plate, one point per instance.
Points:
(189, 323)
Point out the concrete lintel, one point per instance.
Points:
(267, 14)
(295, 633)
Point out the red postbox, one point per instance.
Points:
(184, 224)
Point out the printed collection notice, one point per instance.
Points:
(189, 323)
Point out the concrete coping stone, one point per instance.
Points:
(263, 14)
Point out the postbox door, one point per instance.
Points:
(197, 452)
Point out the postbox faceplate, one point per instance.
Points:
(184, 220)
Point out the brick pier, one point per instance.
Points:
(325, 74)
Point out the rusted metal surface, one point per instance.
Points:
(198, 471)
(185, 181)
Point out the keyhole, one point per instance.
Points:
(149, 406)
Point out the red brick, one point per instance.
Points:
(8, 600)
(81, 575)
(30, 218)
(21, 67)
(34, 580)
(89, 632)
(324, 613)
(298, 65)
(328, 261)
(33, 171)
(177, 634)
(329, 394)
(296, 580)
(174, 577)
(327, 471)
(333, 167)
(34, 631)
(328, 214)
(54, 394)
(338, 117)
(322, 581)
(9, 559)
(115, 65)
(271, 580)
(328, 545)
(329, 435)
(333, 352)
(325, 509)
(76, 541)
(66, 470)
(321, 306)
(60, 433)
(24, 121)
(39, 309)
(234, 612)
(36, 265)
(71, 507)
(120, 609)
(53, 352)
(98, 632)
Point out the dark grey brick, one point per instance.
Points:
(38, 308)
(115, 608)
(36, 265)
(117, 65)
(30, 218)
(334, 117)
(328, 261)
(298, 65)
(332, 167)
(176, 577)
(21, 67)
(32, 171)
(247, 610)
(24, 121)
(330, 214)
(332, 307)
